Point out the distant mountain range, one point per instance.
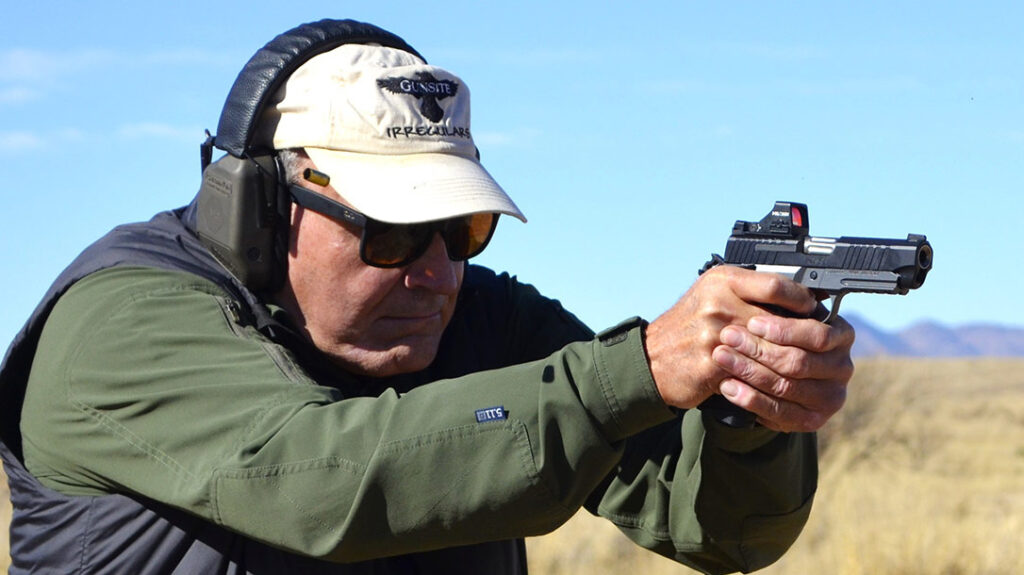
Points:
(931, 339)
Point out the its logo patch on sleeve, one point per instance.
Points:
(491, 414)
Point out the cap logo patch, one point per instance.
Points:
(424, 87)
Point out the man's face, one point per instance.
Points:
(370, 321)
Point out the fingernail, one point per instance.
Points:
(729, 388)
(758, 326)
(724, 358)
(732, 337)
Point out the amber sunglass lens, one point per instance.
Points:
(394, 244)
(467, 236)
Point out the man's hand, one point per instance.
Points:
(790, 372)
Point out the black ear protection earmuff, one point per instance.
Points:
(243, 209)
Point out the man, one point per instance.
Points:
(386, 407)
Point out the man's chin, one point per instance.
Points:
(409, 356)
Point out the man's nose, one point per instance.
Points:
(433, 270)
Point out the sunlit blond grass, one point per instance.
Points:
(5, 522)
(921, 473)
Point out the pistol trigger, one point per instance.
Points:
(834, 300)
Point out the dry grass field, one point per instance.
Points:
(5, 521)
(921, 473)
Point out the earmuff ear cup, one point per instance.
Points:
(243, 209)
(239, 219)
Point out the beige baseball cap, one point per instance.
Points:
(392, 132)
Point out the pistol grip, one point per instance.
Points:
(722, 410)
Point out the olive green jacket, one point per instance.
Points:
(157, 384)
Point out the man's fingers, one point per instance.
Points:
(791, 373)
(809, 334)
(830, 361)
(771, 412)
(819, 395)
(773, 290)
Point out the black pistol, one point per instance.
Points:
(780, 243)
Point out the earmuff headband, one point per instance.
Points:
(271, 66)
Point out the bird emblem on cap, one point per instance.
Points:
(424, 87)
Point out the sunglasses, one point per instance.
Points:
(385, 245)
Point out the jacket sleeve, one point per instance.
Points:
(145, 384)
(712, 497)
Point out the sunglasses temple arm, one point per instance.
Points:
(326, 206)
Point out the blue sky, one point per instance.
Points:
(632, 135)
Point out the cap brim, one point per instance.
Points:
(411, 188)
